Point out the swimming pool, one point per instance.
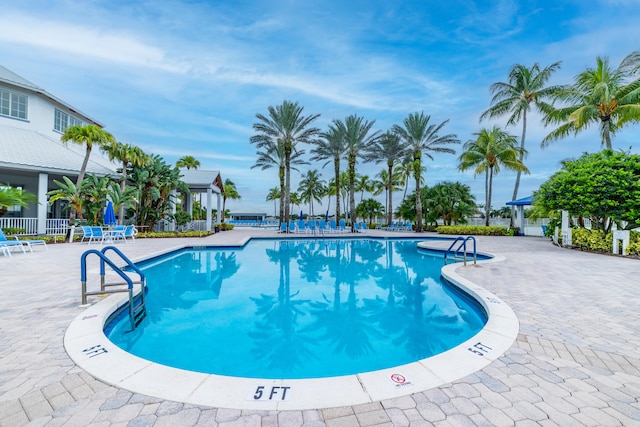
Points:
(290, 309)
(86, 344)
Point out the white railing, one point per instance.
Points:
(57, 227)
(26, 225)
(29, 226)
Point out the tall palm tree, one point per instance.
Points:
(421, 137)
(311, 188)
(491, 150)
(188, 162)
(363, 183)
(387, 149)
(357, 138)
(287, 125)
(525, 88)
(274, 194)
(272, 155)
(603, 95)
(230, 192)
(86, 135)
(331, 146)
(128, 154)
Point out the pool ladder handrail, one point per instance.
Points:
(463, 245)
(136, 312)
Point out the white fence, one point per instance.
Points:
(29, 226)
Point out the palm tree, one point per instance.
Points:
(610, 97)
(311, 188)
(129, 155)
(86, 135)
(387, 149)
(363, 183)
(274, 194)
(14, 196)
(357, 138)
(331, 146)
(287, 125)
(230, 192)
(487, 153)
(526, 86)
(421, 137)
(272, 155)
(188, 162)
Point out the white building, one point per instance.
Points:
(32, 155)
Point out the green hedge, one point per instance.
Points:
(473, 230)
(598, 241)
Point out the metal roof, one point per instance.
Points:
(201, 179)
(9, 77)
(32, 151)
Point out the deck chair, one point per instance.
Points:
(5, 250)
(14, 243)
(283, 227)
(332, 226)
(86, 233)
(343, 226)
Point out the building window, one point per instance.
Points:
(63, 120)
(13, 104)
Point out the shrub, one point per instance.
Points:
(13, 230)
(473, 230)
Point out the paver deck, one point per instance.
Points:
(575, 362)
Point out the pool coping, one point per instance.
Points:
(92, 351)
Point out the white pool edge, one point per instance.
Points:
(87, 345)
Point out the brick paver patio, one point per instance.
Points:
(576, 360)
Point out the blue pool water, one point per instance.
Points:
(298, 309)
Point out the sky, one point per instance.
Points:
(187, 77)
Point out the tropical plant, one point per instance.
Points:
(526, 87)
(311, 188)
(154, 182)
(388, 148)
(274, 194)
(94, 189)
(272, 155)
(421, 137)
(13, 196)
(450, 201)
(331, 146)
(491, 150)
(604, 187)
(68, 192)
(230, 192)
(86, 135)
(356, 138)
(129, 155)
(603, 95)
(369, 209)
(188, 162)
(286, 125)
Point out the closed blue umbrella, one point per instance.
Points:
(109, 214)
(301, 214)
(326, 217)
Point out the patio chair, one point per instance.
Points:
(332, 226)
(86, 233)
(129, 233)
(14, 243)
(283, 227)
(357, 228)
(408, 226)
(343, 226)
(322, 226)
(96, 234)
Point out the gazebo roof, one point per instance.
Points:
(525, 201)
(202, 179)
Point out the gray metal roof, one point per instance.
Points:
(201, 179)
(9, 77)
(32, 151)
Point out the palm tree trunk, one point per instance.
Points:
(352, 192)
(336, 169)
(488, 207)
(287, 190)
(390, 194)
(282, 200)
(416, 173)
(512, 221)
(607, 133)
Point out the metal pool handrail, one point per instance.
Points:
(463, 245)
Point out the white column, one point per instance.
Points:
(219, 219)
(521, 214)
(566, 230)
(189, 207)
(209, 214)
(43, 186)
(172, 208)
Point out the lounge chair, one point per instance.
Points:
(86, 233)
(408, 226)
(343, 226)
(130, 233)
(322, 226)
(332, 226)
(14, 243)
(357, 228)
(283, 227)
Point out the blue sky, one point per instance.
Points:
(188, 77)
